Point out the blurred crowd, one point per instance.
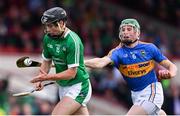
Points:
(97, 23)
(167, 11)
(28, 105)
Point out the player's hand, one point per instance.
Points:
(39, 86)
(164, 74)
(43, 76)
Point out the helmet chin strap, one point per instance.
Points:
(128, 42)
(61, 30)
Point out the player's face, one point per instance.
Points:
(52, 29)
(128, 33)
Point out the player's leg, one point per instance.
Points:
(83, 110)
(149, 100)
(74, 99)
(136, 110)
(145, 108)
(162, 113)
(66, 106)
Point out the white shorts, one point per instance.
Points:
(80, 92)
(150, 98)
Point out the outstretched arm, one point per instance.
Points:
(101, 62)
(98, 62)
(170, 72)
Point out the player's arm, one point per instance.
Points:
(70, 73)
(44, 69)
(171, 68)
(170, 72)
(98, 62)
(47, 58)
(46, 65)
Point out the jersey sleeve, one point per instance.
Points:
(73, 54)
(157, 54)
(114, 57)
(45, 54)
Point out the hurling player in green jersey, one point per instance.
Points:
(64, 48)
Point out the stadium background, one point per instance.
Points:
(97, 22)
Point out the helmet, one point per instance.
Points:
(132, 22)
(54, 14)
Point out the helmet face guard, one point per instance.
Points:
(134, 24)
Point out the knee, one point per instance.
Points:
(162, 112)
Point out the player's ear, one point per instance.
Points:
(60, 23)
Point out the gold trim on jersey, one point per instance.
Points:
(137, 70)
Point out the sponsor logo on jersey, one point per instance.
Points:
(63, 48)
(49, 46)
(137, 70)
(82, 95)
(143, 53)
(60, 48)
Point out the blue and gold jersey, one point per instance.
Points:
(137, 64)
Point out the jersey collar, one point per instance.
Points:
(67, 32)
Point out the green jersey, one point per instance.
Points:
(66, 52)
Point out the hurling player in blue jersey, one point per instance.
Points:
(135, 60)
